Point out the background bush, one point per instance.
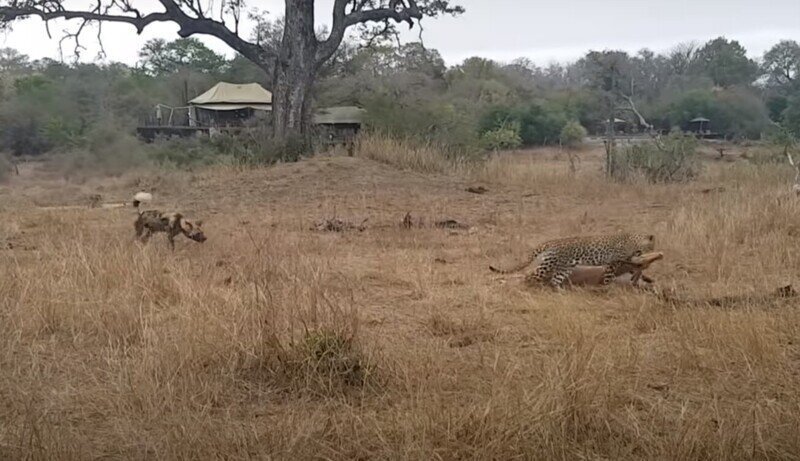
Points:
(573, 134)
(6, 167)
(504, 137)
(671, 159)
(408, 92)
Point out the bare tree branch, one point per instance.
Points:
(632, 106)
(397, 11)
(191, 20)
(10, 13)
(202, 25)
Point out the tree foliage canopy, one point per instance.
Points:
(726, 63)
(782, 62)
(160, 57)
(407, 90)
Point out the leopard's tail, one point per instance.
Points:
(527, 262)
(141, 197)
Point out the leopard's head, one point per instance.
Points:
(640, 244)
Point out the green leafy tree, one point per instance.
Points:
(538, 123)
(680, 58)
(791, 116)
(725, 62)
(160, 57)
(735, 112)
(573, 134)
(782, 62)
(12, 62)
(607, 71)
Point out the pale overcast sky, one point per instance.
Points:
(543, 31)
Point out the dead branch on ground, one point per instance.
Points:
(338, 225)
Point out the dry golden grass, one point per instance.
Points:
(271, 341)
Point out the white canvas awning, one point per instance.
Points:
(231, 96)
(233, 106)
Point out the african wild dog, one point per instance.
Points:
(151, 221)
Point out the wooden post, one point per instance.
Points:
(609, 144)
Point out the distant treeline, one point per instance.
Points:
(408, 91)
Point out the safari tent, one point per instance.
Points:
(338, 124)
(700, 125)
(229, 104)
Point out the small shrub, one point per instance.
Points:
(430, 121)
(672, 159)
(782, 138)
(780, 143)
(257, 147)
(505, 137)
(573, 134)
(539, 123)
(463, 332)
(23, 137)
(734, 112)
(61, 133)
(327, 360)
(105, 149)
(6, 167)
(791, 115)
(766, 157)
(413, 154)
(183, 152)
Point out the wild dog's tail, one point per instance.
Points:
(141, 197)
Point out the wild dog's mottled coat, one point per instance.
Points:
(152, 221)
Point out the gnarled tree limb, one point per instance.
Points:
(397, 11)
(633, 109)
(188, 14)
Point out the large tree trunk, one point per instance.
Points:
(295, 71)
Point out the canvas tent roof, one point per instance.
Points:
(339, 115)
(231, 96)
(700, 119)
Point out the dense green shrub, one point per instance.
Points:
(430, 121)
(734, 113)
(671, 159)
(780, 142)
(6, 167)
(256, 147)
(539, 124)
(105, 149)
(183, 152)
(504, 137)
(409, 93)
(573, 134)
(791, 115)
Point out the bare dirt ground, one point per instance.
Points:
(275, 341)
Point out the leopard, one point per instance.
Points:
(558, 258)
(149, 222)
